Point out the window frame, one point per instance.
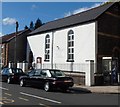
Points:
(70, 46)
(47, 48)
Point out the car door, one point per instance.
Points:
(44, 77)
(37, 78)
(4, 74)
(29, 79)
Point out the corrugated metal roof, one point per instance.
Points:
(82, 17)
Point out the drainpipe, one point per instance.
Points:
(52, 50)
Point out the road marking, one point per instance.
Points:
(6, 100)
(42, 98)
(1, 102)
(4, 88)
(43, 105)
(23, 99)
(8, 94)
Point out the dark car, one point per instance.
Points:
(48, 79)
(11, 75)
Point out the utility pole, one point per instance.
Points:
(15, 62)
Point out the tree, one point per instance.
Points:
(38, 23)
(31, 25)
(26, 27)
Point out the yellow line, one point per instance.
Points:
(8, 101)
(23, 99)
(8, 94)
(1, 103)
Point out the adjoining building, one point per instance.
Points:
(14, 48)
(71, 42)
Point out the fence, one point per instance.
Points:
(83, 71)
(22, 65)
(81, 67)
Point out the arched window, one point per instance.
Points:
(70, 49)
(47, 48)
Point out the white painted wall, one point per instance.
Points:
(84, 43)
(37, 44)
(84, 46)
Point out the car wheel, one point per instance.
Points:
(9, 80)
(22, 83)
(47, 87)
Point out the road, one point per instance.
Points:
(13, 94)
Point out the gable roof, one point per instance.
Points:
(79, 18)
(8, 37)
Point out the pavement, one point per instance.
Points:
(99, 89)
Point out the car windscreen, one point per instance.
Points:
(57, 73)
(17, 70)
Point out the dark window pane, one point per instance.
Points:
(72, 50)
(72, 43)
(70, 32)
(68, 37)
(47, 45)
(72, 37)
(69, 44)
(48, 40)
(47, 36)
(69, 50)
(72, 56)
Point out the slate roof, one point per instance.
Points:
(8, 37)
(72, 20)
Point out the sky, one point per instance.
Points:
(25, 12)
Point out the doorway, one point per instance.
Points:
(110, 70)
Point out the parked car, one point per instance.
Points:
(48, 79)
(11, 75)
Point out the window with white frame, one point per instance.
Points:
(47, 48)
(70, 49)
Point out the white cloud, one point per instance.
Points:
(1, 34)
(9, 21)
(81, 10)
(67, 14)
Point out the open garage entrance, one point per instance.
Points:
(111, 68)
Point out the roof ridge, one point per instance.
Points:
(81, 12)
(82, 17)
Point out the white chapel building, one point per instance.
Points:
(85, 42)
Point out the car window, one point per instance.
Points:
(57, 73)
(48, 73)
(37, 72)
(5, 71)
(43, 73)
(31, 72)
(10, 71)
(17, 70)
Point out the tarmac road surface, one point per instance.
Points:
(13, 94)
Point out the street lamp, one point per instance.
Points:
(17, 25)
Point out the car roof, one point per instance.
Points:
(12, 68)
(47, 69)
